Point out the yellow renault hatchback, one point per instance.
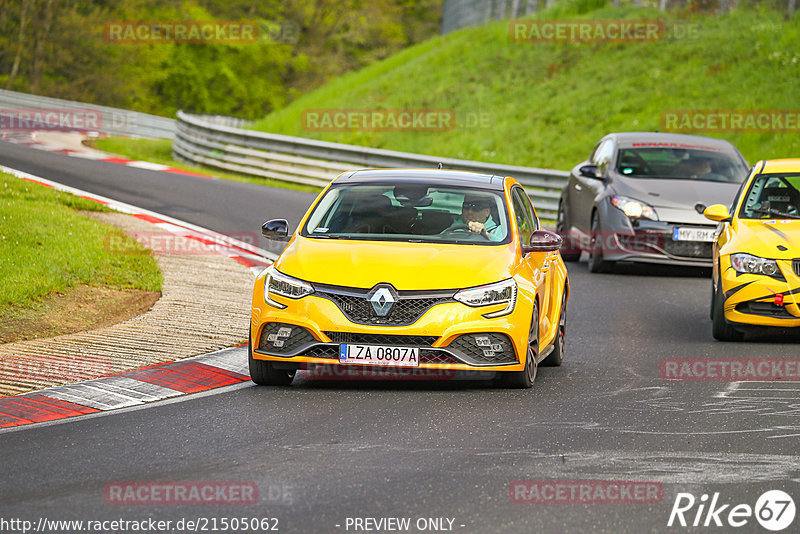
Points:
(419, 268)
(756, 280)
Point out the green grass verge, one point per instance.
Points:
(546, 105)
(47, 246)
(160, 151)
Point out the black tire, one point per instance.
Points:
(556, 358)
(569, 252)
(524, 379)
(711, 307)
(264, 373)
(596, 262)
(721, 329)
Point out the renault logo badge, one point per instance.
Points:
(382, 299)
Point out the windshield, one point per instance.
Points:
(410, 212)
(681, 164)
(773, 196)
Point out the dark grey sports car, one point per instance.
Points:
(640, 197)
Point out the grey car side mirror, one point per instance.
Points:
(590, 171)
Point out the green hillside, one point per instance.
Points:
(546, 104)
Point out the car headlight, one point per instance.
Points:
(276, 283)
(747, 263)
(497, 293)
(634, 209)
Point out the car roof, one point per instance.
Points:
(774, 166)
(423, 176)
(670, 140)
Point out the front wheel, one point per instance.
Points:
(569, 252)
(264, 373)
(524, 379)
(596, 262)
(720, 327)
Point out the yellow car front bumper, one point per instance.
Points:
(755, 299)
(436, 333)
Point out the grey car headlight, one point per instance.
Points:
(747, 263)
(634, 209)
(497, 293)
(277, 283)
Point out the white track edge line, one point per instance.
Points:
(131, 209)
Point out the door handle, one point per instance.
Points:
(578, 187)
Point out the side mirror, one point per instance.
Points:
(543, 241)
(590, 171)
(276, 229)
(717, 212)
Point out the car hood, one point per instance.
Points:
(407, 266)
(764, 237)
(676, 193)
(675, 200)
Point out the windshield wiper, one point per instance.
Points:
(781, 214)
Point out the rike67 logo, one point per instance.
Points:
(774, 510)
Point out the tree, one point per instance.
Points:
(21, 42)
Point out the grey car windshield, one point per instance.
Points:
(681, 164)
(410, 212)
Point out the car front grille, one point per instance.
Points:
(433, 356)
(381, 339)
(688, 249)
(796, 266)
(322, 351)
(767, 309)
(652, 242)
(410, 306)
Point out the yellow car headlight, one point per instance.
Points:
(747, 263)
(497, 293)
(277, 283)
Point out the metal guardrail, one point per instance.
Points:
(306, 161)
(457, 14)
(113, 121)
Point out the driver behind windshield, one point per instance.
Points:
(476, 217)
(698, 167)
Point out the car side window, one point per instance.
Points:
(598, 152)
(593, 157)
(737, 197)
(603, 155)
(741, 189)
(529, 208)
(524, 217)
